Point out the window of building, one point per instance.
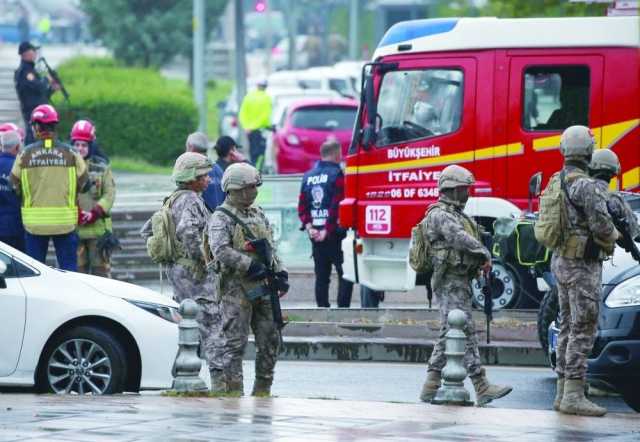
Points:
(555, 97)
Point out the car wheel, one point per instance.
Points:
(83, 360)
(630, 395)
(547, 313)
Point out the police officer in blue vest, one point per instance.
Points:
(320, 194)
(11, 228)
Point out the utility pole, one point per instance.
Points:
(292, 26)
(240, 61)
(353, 29)
(199, 93)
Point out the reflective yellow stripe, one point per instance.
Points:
(72, 186)
(37, 216)
(26, 190)
(606, 136)
(631, 179)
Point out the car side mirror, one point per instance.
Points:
(535, 184)
(3, 271)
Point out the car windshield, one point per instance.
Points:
(417, 104)
(324, 118)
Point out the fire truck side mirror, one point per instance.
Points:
(535, 185)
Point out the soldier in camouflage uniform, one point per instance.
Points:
(604, 166)
(457, 256)
(243, 304)
(188, 275)
(577, 267)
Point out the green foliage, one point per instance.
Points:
(138, 114)
(147, 32)
(518, 8)
(124, 164)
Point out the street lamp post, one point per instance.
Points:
(199, 93)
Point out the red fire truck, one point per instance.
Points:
(492, 95)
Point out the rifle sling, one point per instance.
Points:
(247, 231)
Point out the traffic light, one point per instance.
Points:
(260, 6)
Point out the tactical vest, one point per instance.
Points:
(441, 251)
(254, 221)
(577, 239)
(48, 178)
(100, 192)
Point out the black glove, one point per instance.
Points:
(257, 271)
(282, 281)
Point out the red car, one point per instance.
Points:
(305, 125)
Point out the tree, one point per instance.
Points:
(518, 8)
(147, 32)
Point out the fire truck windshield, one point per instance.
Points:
(416, 104)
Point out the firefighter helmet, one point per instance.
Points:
(44, 114)
(83, 130)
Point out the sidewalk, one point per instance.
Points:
(155, 418)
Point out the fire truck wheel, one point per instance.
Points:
(511, 289)
(370, 298)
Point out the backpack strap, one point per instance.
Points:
(247, 231)
(168, 201)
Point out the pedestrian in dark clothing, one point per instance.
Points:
(11, 228)
(227, 151)
(32, 89)
(320, 194)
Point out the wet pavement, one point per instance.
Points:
(156, 418)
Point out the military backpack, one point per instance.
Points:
(163, 246)
(419, 247)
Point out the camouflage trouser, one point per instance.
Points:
(204, 293)
(239, 316)
(90, 261)
(579, 289)
(454, 292)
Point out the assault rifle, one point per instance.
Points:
(622, 225)
(274, 282)
(487, 291)
(54, 75)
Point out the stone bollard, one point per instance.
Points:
(187, 365)
(452, 391)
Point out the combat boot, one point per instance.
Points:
(575, 402)
(218, 382)
(262, 387)
(235, 388)
(559, 393)
(487, 392)
(431, 385)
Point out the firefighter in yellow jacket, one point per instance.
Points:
(95, 230)
(48, 175)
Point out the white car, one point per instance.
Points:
(66, 332)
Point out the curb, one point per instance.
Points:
(397, 350)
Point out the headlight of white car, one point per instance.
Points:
(165, 312)
(625, 294)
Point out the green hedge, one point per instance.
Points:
(138, 114)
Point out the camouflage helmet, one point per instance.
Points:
(189, 166)
(240, 175)
(576, 141)
(605, 159)
(455, 176)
